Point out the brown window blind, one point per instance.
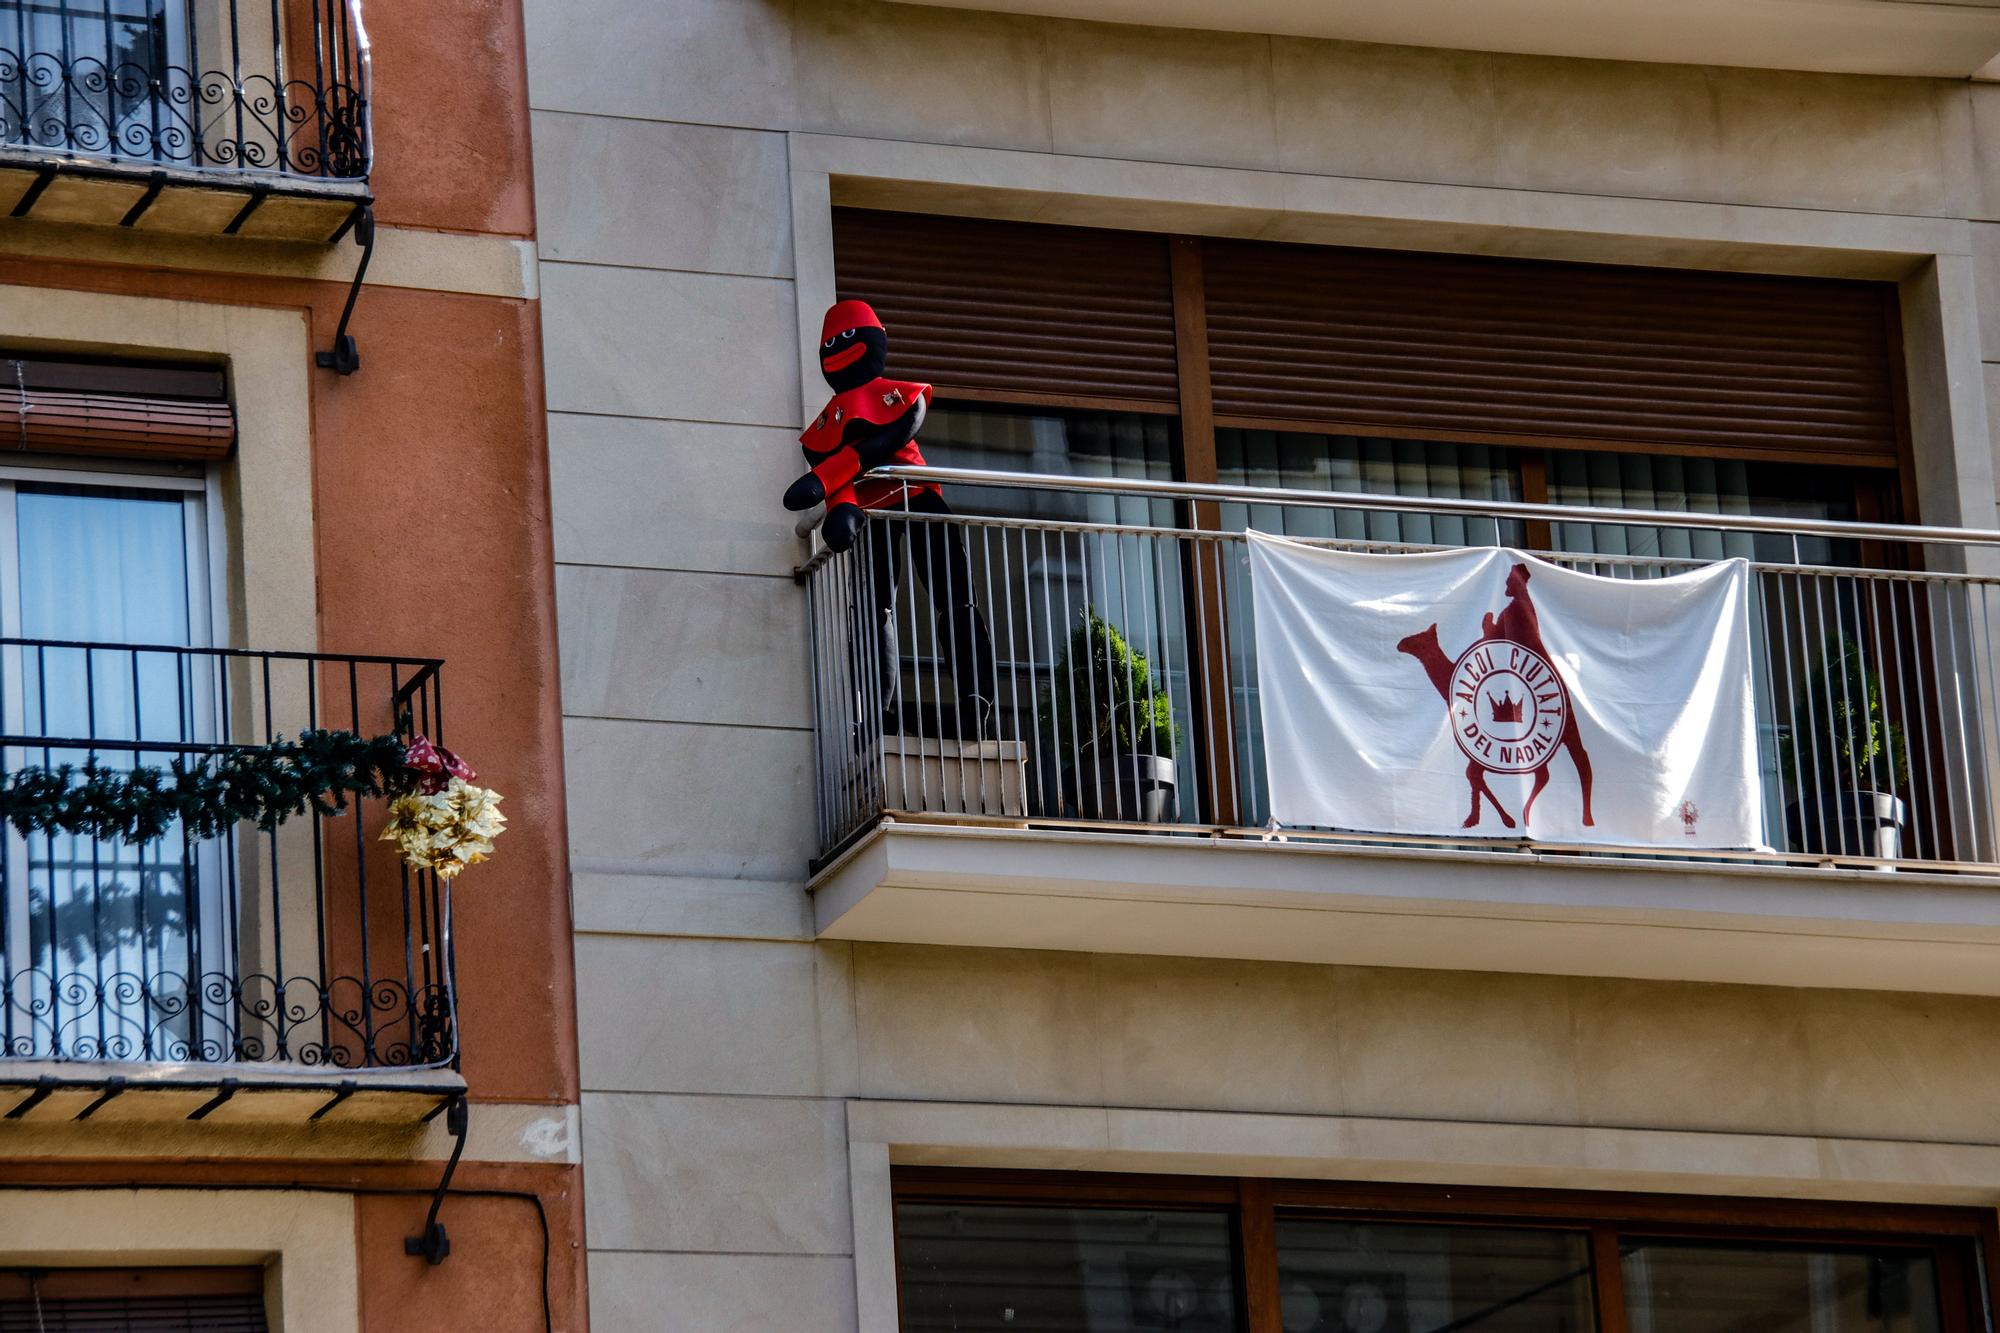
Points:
(133, 1300)
(132, 411)
(1465, 347)
(1013, 310)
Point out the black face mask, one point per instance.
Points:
(849, 360)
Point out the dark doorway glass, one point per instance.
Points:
(970, 1268)
(1368, 1277)
(1678, 1287)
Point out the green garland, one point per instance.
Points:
(263, 784)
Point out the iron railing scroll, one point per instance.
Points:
(1123, 656)
(277, 87)
(310, 943)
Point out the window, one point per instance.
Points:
(1077, 443)
(1064, 1270)
(119, 560)
(1043, 1253)
(1036, 584)
(107, 77)
(132, 1300)
(1719, 1286)
(1338, 1275)
(1100, 353)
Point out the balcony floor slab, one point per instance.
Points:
(1236, 897)
(48, 1091)
(175, 199)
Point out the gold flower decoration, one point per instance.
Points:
(448, 830)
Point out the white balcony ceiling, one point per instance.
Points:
(1948, 38)
(1384, 907)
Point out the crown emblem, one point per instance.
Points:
(1505, 709)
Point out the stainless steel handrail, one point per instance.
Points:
(1406, 504)
(912, 724)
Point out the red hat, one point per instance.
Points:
(844, 315)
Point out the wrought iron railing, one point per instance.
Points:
(261, 86)
(916, 717)
(311, 943)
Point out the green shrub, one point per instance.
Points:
(1841, 730)
(1103, 690)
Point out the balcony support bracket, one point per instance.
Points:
(114, 1088)
(341, 1094)
(432, 1242)
(223, 1092)
(345, 357)
(44, 1086)
(157, 183)
(258, 194)
(33, 195)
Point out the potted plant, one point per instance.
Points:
(1113, 727)
(1845, 761)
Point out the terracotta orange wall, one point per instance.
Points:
(431, 499)
(433, 534)
(432, 527)
(432, 537)
(451, 115)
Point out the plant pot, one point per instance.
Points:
(1851, 823)
(1127, 788)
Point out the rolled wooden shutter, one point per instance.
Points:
(1457, 347)
(1012, 309)
(164, 1300)
(140, 412)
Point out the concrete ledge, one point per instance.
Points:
(1351, 210)
(1426, 1151)
(1383, 907)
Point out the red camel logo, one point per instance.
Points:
(1527, 715)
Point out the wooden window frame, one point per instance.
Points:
(58, 1283)
(1963, 1242)
(1196, 461)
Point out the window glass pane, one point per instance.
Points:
(1701, 486)
(103, 564)
(1298, 461)
(109, 565)
(1365, 1277)
(1133, 445)
(97, 77)
(964, 1268)
(1039, 586)
(1675, 1287)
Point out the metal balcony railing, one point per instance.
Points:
(1876, 657)
(310, 944)
(231, 86)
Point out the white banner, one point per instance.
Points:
(1488, 693)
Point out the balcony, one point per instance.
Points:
(295, 972)
(207, 117)
(1034, 827)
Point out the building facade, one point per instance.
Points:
(906, 1002)
(242, 1062)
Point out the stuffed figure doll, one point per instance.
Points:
(869, 422)
(872, 422)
